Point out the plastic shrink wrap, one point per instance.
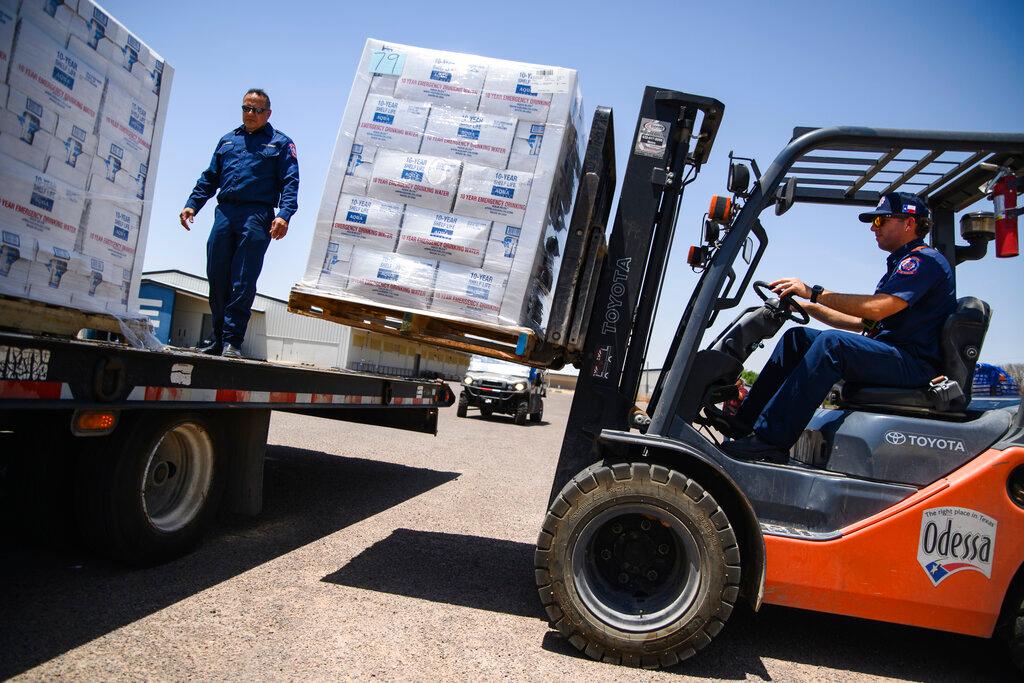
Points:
(82, 106)
(450, 186)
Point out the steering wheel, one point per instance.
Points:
(787, 304)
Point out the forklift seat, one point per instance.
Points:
(962, 336)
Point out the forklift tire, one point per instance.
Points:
(521, 412)
(539, 415)
(637, 564)
(1010, 628)
(463, 407)
(147, 493)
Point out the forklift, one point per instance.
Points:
(900, 505)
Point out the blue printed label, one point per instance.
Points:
(386, 273)
(121, 234)
(383, 118)
(12, 239)
(442, 76)
(469, 133)
(412, 175)
(33, 107)
(353, 217)
(505, 192)
(523, 89)
(440, 231)
(61, 253)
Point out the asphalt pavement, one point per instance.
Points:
(383, 554)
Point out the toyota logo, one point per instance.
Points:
(896, 438)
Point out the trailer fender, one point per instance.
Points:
(715, 480)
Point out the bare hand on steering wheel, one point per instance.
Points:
(791, 286)
(785, 303)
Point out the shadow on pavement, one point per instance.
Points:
(497, 575)
(58, 599)
(470, 571)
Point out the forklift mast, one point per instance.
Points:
(672, 140)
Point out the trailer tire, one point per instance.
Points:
(637, 564)
(522, 409)
(463, 407)
(539, 415)
(147, 494)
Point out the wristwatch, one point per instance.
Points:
(816, 291)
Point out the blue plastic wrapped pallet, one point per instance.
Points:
(450, 187)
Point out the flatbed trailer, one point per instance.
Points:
(154, 440)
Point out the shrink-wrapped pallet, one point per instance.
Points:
(82, 108)
(482, 157)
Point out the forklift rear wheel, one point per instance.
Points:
(539, 415)
(521, 412)
(461, 410)
(146, 495)
(637, 564)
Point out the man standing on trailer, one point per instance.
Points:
(900, 327)
(256, 169)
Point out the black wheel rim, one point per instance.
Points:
(636, 567)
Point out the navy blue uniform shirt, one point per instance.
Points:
(258, 168)
(922, 277)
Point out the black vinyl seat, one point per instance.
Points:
(962, 336)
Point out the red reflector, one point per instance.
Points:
(95, 421)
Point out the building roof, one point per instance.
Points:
(196, 286)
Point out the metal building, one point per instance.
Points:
(177, 304)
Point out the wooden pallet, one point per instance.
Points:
(37, 317)
(515, 344)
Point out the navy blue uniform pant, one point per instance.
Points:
(234, 259)
(803, 368)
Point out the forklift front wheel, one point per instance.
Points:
(637, 564)
(463, 407)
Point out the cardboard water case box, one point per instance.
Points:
(447, 79)
(48, 278)
(501, 248)
(392, 278)
(71, 80)
(468, 292)
(337, 263)
(37, 206)
(97, 284)
(55, 19)
(444, 236)
(17, 252)
(391, 123)
(27, 125)
(494, 194)
(526, 146)
(127, 121)
(368, 222)
(417, 179)
(115, 175)
(470, 136)
(359, 169)
(519, 91)
(111, 231)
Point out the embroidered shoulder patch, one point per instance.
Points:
(291, 146)
(909, 265)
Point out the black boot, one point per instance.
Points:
(212, 348)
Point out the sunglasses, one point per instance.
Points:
(252, 110)
(879, 220)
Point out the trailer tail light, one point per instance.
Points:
(93, 422)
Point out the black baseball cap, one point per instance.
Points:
(898, 204)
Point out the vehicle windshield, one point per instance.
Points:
(497, 367)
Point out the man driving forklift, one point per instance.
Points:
(898, 344)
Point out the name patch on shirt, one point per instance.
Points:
(909, 265)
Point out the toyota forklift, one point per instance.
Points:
(900, 505)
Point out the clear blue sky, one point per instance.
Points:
(775, 65)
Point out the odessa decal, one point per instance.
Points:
(955, 539)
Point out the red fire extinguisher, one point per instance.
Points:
(1003, 191)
